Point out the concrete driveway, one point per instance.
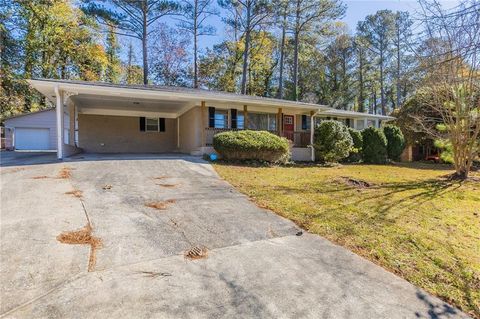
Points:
(256, 266)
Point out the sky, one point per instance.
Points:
(357, 10)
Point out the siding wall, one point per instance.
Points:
(121, 134)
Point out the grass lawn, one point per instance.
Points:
(409, 220)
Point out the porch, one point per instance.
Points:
(297, 138)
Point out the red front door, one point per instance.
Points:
(288, 126)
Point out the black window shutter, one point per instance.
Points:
(304, 122)
(233, 113)
(328, 118)
(211, 117)
(161, 123)
(142, 124)
(348, 122)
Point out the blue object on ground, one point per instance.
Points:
(213, 157)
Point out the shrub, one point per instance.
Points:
(332, 141)
(356, 152)
(251, 145)
(374, 146)
(395, 142)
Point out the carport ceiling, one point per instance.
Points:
(129, 106)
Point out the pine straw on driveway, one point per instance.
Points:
(83, 236)
(410, 219)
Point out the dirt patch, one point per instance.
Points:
(167, 185)
(83, 236)
(197, 252)
(65, 173)
(39, 177)
(160, 205)
(107, 187)
(356, 182)
(76, 193)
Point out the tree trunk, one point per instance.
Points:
(361, 93)
(382, 88)
(398, 68)
(295, 52)
(145, 47)
(195, 46)
(282, 57)
(246, 50)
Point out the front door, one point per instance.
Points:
(288, 126)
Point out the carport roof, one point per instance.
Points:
(47, 87)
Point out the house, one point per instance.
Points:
(111, 118)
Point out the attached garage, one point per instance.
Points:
(33, 131)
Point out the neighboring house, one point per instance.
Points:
(110, 118)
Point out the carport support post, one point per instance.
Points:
(245, 117)
(59, 112)
(312, 132)
(204, 125)
(279, 121)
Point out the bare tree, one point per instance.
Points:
(451, 58)
(132, 18)
(195, 12)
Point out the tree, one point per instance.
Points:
(452, 67)
(195, 12)
(132, 18)
(308, 14)
(360, 49)
(133, 73)
(283, 11)
(401, 43)
(378, 31)
(249, 15)
(112, 48)
(170, 59)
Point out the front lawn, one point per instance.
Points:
(406, 218)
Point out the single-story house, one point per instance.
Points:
(112, 118)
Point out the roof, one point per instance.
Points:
(29, 113)
(191, 93)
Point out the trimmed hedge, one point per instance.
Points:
(251, 145)
(374, 146)
(356, 152)
(332, 141)
(395, 141)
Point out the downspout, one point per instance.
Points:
(312, 129)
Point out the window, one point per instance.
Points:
(370, 123)
(360, 125)
(262, 121)
(240, 120)
(221, 118)
(154, 124)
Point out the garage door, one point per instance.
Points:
(32, 138)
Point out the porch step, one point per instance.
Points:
(197, 152)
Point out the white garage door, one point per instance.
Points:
(32, 138)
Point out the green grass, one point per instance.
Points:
(411, 220)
